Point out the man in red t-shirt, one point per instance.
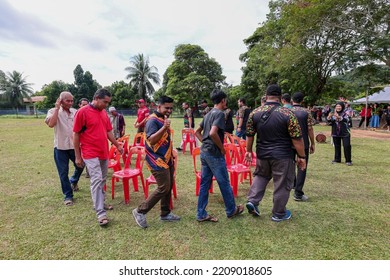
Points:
(142, 116)
(91, 130)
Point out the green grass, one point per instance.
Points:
(347, 216)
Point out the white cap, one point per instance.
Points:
(111, 109)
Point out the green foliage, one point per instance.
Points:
(122, 95)
(192, 75)
(52, 92)
(304, 43)
(141, 75)
(13, 88)
(84, 86)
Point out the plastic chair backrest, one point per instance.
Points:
(138, 152)
(188, 134)
(195, 155)
(139, 139)
(232, 155)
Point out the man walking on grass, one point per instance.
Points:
(306, 122)
(61, 118)
(277, 130)
(160, 162)
(91, 129)
(213, 160)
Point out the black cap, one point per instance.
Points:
(297, 97)
(274, 90)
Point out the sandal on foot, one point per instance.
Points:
(208, 219)
(68, 202)
(108, 207)
(103, 221)
(239, 210)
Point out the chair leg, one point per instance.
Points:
(113, 187)
(174, 189)
(135, 183)
(143, 184)
(126, 190)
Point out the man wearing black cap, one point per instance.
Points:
(306, 122)
(277, 130)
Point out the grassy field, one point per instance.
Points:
(346, 218)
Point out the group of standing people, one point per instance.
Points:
(80, 136)
(285, 138)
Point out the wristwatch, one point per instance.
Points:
(304, 157)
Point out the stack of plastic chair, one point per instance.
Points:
(134, 172)
(235, 166)
(188, 136)
(198, 171)
(151, 180)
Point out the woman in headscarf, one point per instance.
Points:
(340, 132)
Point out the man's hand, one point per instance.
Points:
(248, 158)
(79, 162)
(301, 162)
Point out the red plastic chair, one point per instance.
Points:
(130, 172)
(188, 136)
(139, 139)
(235, 166)
(125, 144)
(151, 180)
(198, 172)
(114, 161)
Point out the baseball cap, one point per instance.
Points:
(111, 109)
(274, 90)
(141, 101)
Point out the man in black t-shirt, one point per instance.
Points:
(212, 156)
(306, 122)
(277, 130)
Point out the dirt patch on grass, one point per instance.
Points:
(361, 133)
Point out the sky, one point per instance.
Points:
(47, 39)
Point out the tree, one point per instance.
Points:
(84, 85)
(122, 95)
(192, 75)
(305, 42)
(14, 88)
(141, 75)
(52, 92)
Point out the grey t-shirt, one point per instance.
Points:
(216, 118)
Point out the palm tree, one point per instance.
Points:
(140, 74)
(14, 88)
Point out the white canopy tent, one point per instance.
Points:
(382, 96)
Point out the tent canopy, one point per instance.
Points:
(382, 96)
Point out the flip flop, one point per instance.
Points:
(108, 207)
(239, 210)
(68, 202)
(208, 219)
(103, 221)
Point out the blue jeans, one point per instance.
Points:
(214, 166)
(241, 134)
(61, 158)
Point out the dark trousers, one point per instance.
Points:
(164, 179)
(282, 173)
(62, 158)
(347, 148)
(300, 177)
(362, 120)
